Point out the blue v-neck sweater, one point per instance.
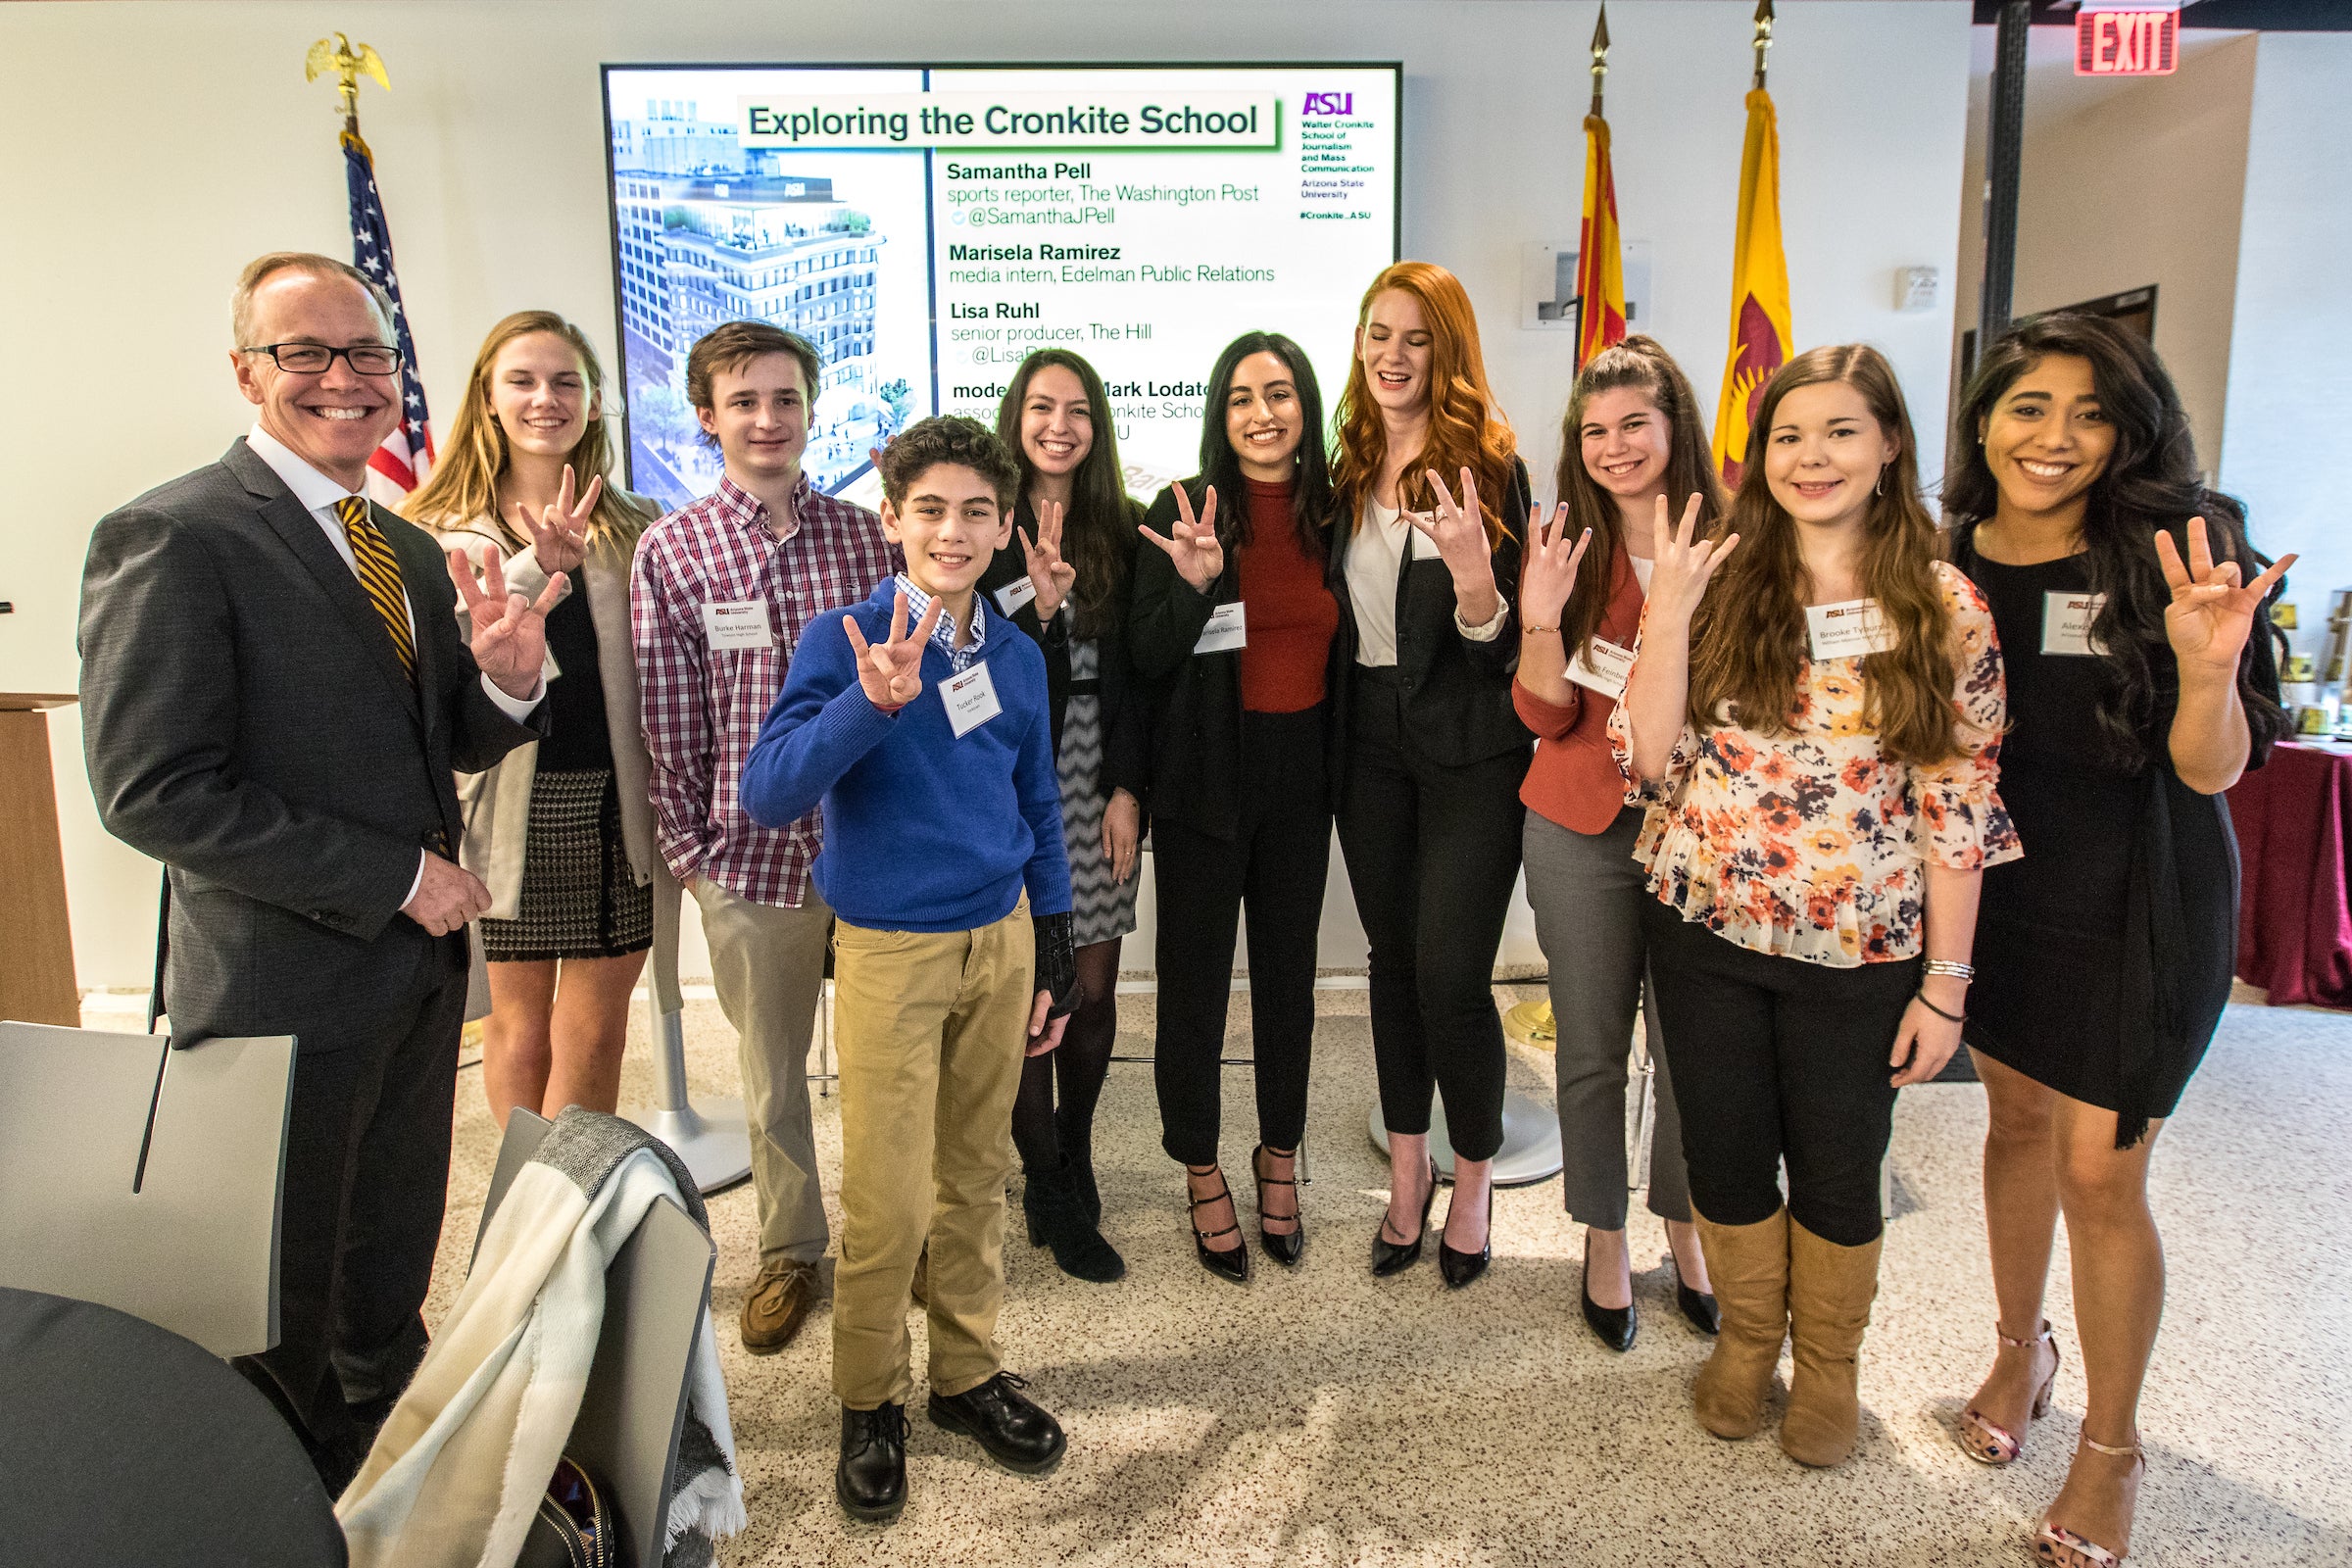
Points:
(923, 830)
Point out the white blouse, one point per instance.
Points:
(1376, 555)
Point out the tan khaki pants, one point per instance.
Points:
(767, 964)
(930, 1031)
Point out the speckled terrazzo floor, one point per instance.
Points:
(1323, 1417)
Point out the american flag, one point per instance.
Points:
(405, 459)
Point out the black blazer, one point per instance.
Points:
(1197, 698)
(1126, 743)
(1458, 692)
(246, 722)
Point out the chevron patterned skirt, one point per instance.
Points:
(1101, 911)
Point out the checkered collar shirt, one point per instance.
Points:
(702, 705)
(918, 603)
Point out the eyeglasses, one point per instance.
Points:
(309, 359)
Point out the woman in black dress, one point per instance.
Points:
(2141, 684)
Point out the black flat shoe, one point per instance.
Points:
(1460, 1268)
(1394, 1258)
(871, 1478)
(1233, 1263)
(1697, 1305)
(1057, 1219)
(1016, 1434)
(1283, 1246)
(1612, 1326)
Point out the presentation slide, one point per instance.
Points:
(927, 228)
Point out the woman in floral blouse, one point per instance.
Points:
(1815, 727)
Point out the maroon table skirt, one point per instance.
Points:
(2294, 835)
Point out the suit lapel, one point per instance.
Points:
(301, 534)
(418, 569)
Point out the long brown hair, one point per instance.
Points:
(1096, 526)
(1466, 431)
(1642, 363)
(1749, 638)
(463, 487)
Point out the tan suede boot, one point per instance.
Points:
(1749, 1266)
(1830, 1291)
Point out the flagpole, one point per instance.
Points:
(1763, 40)
(348, 64)
(1600, 55)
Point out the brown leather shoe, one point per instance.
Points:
(778, 1304)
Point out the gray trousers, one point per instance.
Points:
(767, 964)
(1586, 891)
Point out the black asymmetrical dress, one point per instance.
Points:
(2103, 957)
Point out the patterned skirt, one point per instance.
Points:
(1101, 909)
(580, 898)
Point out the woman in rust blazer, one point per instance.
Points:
(1631, 441)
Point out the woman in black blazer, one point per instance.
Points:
(1428, 754)
(1233, 623)
(1066, 585)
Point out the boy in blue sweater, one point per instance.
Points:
(932, 755)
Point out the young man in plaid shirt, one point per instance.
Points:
(720, 595)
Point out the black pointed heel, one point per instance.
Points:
(1699, 1307)
(1283, 1246)
(1612, 1326)
(1460, 1268)
(1234, 1262)
(1394, 1258)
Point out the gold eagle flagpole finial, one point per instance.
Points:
(1600, 54)
(348, 64)
(1763, 39)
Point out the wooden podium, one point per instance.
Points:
(36, 946)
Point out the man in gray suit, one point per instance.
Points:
(275, 696)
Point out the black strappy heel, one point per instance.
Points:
(1234, 1262)
(1282, 1248)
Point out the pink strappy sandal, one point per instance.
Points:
(2056, 1537)
(1990, 1444)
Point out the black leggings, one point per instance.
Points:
(1432, 853)
(1041, 1131)
(1776, 1059)
(1276, 863)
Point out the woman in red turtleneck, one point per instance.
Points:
(1233, 622)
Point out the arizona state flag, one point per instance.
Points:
(1600, 269)
(1760, 338)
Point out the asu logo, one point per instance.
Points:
(1329, 103)
(1758, 356)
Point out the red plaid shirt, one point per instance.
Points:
(702, 706)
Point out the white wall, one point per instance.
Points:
(2290, 359)
(2126, 183)
(153, 148)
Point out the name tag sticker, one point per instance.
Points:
(737, 624)
(1013, 594)
(1227, 630)
(1849, 629)
(1604, 669)
(2066, 622)
(971, 700)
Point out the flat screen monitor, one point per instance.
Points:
(927, 228)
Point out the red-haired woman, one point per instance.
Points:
(563, 830)
(1428, 754)
(1816, 725)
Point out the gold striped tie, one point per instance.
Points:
(380, 574)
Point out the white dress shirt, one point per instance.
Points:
(1382, 548)
(319, 496)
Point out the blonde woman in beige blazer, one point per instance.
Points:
(562, 831)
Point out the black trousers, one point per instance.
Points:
(367, 1179)
(1778, 1060)
(1432, 853)
(1275, 863)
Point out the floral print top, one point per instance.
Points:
(1809, 845)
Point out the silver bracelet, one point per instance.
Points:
(1950, 969)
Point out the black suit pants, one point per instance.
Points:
(1276, 864)
(366, 1181)
(1432, 853)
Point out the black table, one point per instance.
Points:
(122, 1442)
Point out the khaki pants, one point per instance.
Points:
(767, 964)
(931, 1029)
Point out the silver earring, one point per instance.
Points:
(1879, 488)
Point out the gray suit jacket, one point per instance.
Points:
(246, 722)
